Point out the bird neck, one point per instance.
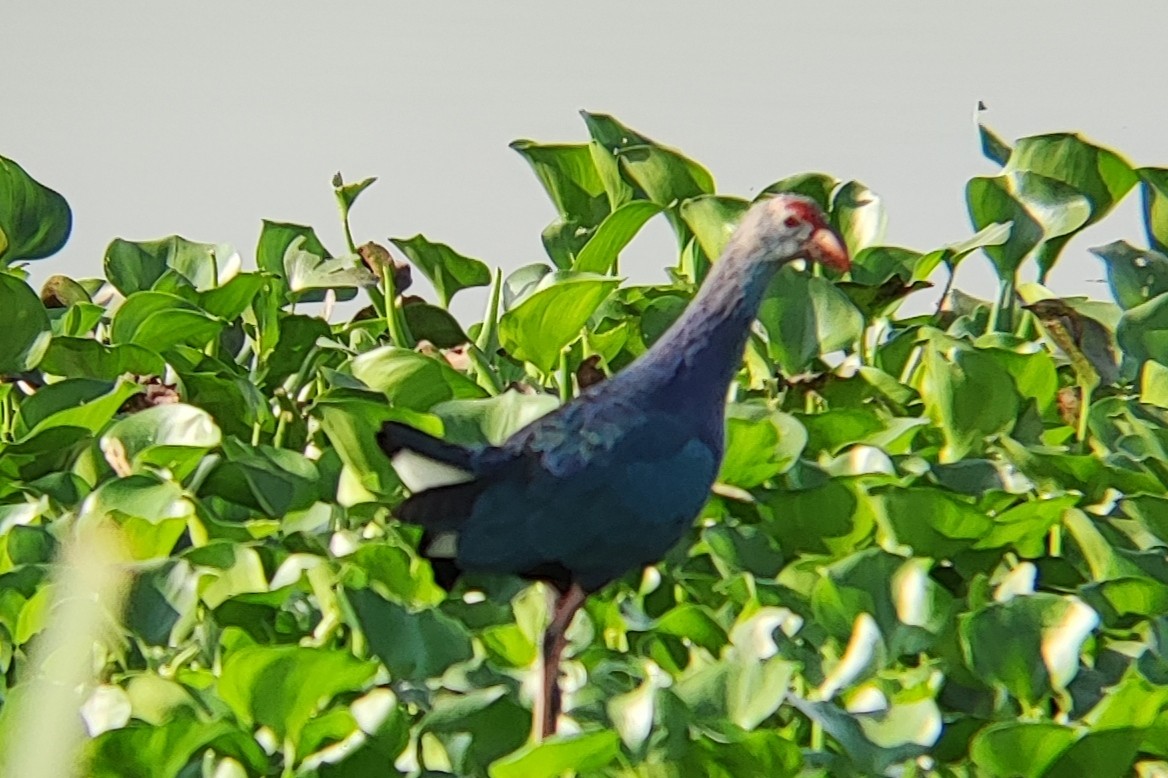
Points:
(695, 360)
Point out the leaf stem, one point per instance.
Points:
(1003, 310)
(565, 376)
(395, 322)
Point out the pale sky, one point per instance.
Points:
(202, 119)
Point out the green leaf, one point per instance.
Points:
(138, 266)
(602, 250)
(712, 219)
(760, 444)
(412, 380)
(429, 322)
(1029, 645)
(158, 751)
(151, 512)
(275, 240)
(934, 523)
(817, 186)
(968, 395)
(494, 419)
(558, 755)
(1154, 191)
(1098, 173)
(835, 518)
(991, 201)
(570, 179)
(858, 214)
(74, 402)
(159, 321)
(1061, 210)
(35, 221)
(174, 437)
(805, 317)
(307, 271)
(228, 301)
(994, 148)
(447, 270)
(1135, 275)
(1143, 331)
(1020, 748)
(27, 331)
(552, 317)
(86, 357)
(273, 480)
(348, 193)
(413, 646)
(284, 687)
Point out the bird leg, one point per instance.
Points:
(547, 705)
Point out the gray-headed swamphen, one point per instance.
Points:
(613, 479)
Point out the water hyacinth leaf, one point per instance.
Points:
(159, 321)
(602, 250)
(858, 214)
(27, 329)
(521, 282)
(411, 380)
(163, 749)
(760, 444)
(273, 480)
(552, 317)
(413, 646)
(990, 201)
(1135, 275)
(834, 518)
(75, 402)
(275, 240)
(228, 301)
(558, 755)
(35, 221)
(307, 271)
(1061, 210)
(818, 186)
(934, 523)
(1154, 194)
(968, 395)
(1020, 748)
(136, 266)
(494, 419)
(712, 219)
(283, 687)
(348, 193)
(1143, 331)
(666, 176)
(436, 325)
(1100, 174)
(993, 147)
(570, 178)
(174, 437)
(1028, 645)
(805, 317)
(68, 356)
(449, 271)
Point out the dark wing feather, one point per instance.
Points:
(394, 437)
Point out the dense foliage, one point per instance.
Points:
(937, 546)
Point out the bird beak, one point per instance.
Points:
(827, 247)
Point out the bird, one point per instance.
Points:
(610, 481)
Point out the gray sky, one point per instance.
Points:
(201, 119)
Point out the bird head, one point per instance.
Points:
(788, 227)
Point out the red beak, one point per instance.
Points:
(827, 247)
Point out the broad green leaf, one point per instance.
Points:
(151, 512)
(570, 178)
(934, 523)
(818, 186)
(712, 219)
(35, 221)
(275, 481)
(990, 201)
(27, 331)
(1062, 211)
(558, 755)
(1029, 645)
(307, 271)
(1135, 275)
(413, 646)
(968, 395)
(437, 325)
(283, 687)
(1098, 173)
(858, 214)
(161, 750)
(602, 250)
(228, 301)
(74, 402)
(494, 419)
(1020, 748)
(552, 317)
(760, 444)
(447, 270)
(159, 321)
(806, 317)
(86, 357)
(136, 266)
(276, 238)
(835, 518)
(665, 175)
(411, 380)
(174, 437)
(1143, 331)
(1154, 191)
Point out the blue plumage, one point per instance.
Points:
(613, 479)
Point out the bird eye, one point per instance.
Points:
(791, 221)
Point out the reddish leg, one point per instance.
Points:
(547, 705)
